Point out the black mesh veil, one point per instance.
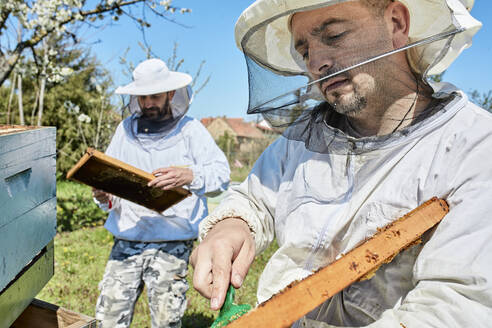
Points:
(317, 75)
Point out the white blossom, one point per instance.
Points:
(66, 71)
(84, 118)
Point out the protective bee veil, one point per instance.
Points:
(316, 68)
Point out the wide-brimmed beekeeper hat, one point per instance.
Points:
(153, 76)
(262, 32)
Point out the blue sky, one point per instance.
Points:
(210, 37)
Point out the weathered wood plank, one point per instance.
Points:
(19, 294)
(8, 129)
(27, 169)
(17, 147)
(25, 186)
(283, 309)
(24, 237)
(46, 315)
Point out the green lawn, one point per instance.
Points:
(80, 257)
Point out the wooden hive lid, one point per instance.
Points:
(11, 129)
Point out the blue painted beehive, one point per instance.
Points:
(27, 213)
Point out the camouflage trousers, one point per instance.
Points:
(162, 267)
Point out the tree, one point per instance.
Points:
(24, 24)
(483, 100)
(228, 144)
(81, 110)
(80, 107)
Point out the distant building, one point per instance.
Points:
(267, 129)
(246, 139)
(242, 132)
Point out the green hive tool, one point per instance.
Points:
(230, 311)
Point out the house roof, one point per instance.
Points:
(244, 129)
(207, 120)
(238, 125)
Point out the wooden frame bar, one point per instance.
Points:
(104, 172)
(298, 299)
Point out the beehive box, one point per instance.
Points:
(27, 215)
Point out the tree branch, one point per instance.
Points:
(3, 19)
(8, 64)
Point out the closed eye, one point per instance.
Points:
(331, 39)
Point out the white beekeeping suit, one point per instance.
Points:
(151, 249)
(323, 192)
(188, 144)
(180, 141)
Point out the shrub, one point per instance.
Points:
(75, 207)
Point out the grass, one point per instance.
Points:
(239, 174)
(80, 259)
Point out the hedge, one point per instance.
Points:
(75, 207)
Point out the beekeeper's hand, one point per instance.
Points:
(224, 256)
(171, 177)
(101, 196)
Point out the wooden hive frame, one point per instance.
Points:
(298, 299)
(104, 172)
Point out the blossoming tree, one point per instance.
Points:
(30, 30)
(24, 24)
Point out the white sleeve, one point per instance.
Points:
(211, 172)
(254, 200)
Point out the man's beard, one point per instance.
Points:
(355, 105)
(157, 113)
(160, 121)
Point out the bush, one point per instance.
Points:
(75, 207)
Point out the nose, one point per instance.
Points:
(319, 61)
(146, 101)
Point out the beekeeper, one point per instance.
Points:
(367, 138)
(150, 248)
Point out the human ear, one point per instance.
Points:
(170, 94)
(397, 18)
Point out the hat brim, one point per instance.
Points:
(265, 25)
(175, 80)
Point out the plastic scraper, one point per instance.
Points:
(230, 311)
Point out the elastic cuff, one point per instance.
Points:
(197, 182)
(210, 221)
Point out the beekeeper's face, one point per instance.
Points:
(338, 36)
(156, 106)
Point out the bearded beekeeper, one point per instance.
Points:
(367, 138)
(153, 248)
